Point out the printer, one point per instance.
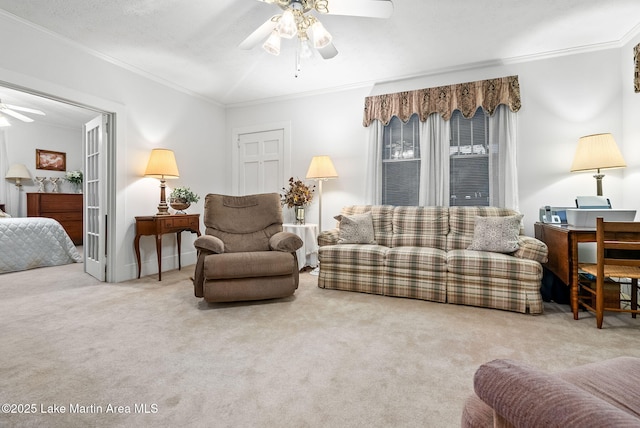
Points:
(589, 208)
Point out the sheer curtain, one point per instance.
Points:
(4, 167)
(373, 189)
(435, 135)
(503, 169)
(434, 162)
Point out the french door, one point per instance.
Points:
(95, 259)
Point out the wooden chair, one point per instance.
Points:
(618, 249)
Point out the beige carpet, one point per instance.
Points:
(320, 359)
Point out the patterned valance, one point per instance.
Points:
(444, 100)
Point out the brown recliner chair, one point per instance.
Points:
(244, 254)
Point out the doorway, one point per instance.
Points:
(261, 158)
(66, 113)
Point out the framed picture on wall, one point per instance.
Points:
(636, 73)
(53, 161)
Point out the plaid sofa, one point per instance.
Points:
(421, 253)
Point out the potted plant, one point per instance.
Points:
(297, 196)
(181, 198)
(75, 178)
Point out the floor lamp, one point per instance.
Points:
(18, 172)
(321, 169)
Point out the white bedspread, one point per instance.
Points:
(31, 242)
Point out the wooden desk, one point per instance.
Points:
(159, 225)
(562, 241)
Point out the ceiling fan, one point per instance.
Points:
(296, 20)
(13, 111)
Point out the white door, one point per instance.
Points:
(95, 260)
(260, 162)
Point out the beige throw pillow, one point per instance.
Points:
(496, 234)
(356, 229)
(4, 214)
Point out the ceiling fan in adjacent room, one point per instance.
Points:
(13, 111)
(297, 21)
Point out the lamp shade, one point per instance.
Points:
(321, 167)
(596, 152)
(17, 172)
(162, 164)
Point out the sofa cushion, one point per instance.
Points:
(496, 234)
(462, 222)
(356, 229)
(381, 215)
(420, 227)
(417, 273)
(495, 265)
(248, 265)
(353, 254)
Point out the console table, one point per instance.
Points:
(562, 241)
(66, 208)
(158, 225)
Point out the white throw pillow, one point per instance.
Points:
(356, 229)
(496, 234)
(4, 214)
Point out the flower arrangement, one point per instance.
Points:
(185, 194)
(298, 194)
(74, 177)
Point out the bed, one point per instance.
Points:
(32, 242)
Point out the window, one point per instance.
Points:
(469, 159)
(401, 162)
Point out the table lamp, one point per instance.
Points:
(321, 169)
(162, 164)
(18, 172)
(596, 152)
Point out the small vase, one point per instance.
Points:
(299, 211)
(78, 187)
(180, 205)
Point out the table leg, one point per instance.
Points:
(159, 252)
(573, 264)
(178, 236)
(136, 246)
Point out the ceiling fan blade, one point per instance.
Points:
(328, 51)
(25, 109)
(259, 35)
(367, 8)
(15, 114)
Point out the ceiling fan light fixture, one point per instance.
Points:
(304, 48)
(287, 27)
(272, 45)
(4, 122)
(321, 36)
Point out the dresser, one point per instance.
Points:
(66, 208)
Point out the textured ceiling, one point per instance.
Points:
(194, 44)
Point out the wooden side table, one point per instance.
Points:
(160, 224)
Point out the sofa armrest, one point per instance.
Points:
(525, 397)
(532, 249)
(328, 237)
(285, 241)
(209, 244)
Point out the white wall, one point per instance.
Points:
(328, 124)
(22, 141)
(563, 98)
(631, 127)
(149, 114)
